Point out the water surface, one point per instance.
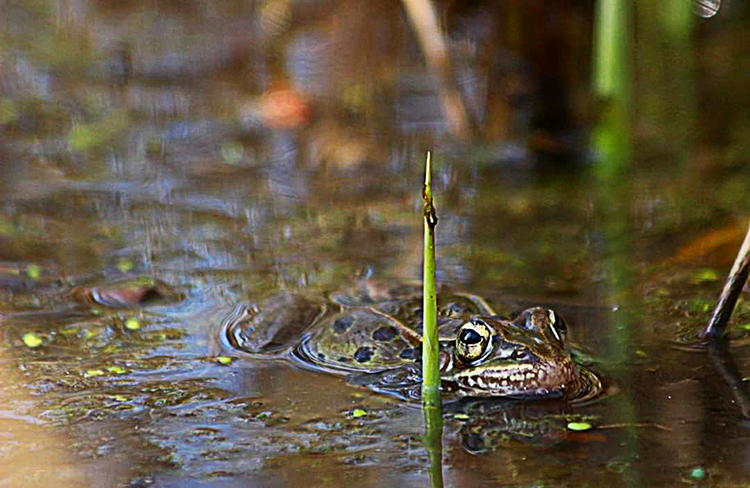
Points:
(240, 149)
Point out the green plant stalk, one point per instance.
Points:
(611, 140)
(431, 403)
(610, 38)
(430, 354)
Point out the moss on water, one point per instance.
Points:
(32, 340)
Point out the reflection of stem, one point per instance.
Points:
(432, 439)
(612, 139)
(423, 19)
(644, 425)
(724, 363)
(730, 293)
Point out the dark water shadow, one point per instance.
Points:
(723, 361)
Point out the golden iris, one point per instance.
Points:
(473, 340)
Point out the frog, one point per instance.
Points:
(372, 335)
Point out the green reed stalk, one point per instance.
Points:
(611, 140)
(430, 359)
(610, 40)
(431, 404)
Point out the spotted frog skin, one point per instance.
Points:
(372, 335)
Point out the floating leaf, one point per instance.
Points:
(284, 109)
(34, 271)
(579, 426)
(124, 265)
(121, 398)
(132, 324)
(461, 416)
(705, 275)
(698, 473)
(93, 372)
(116, 369)
(716, 240)
(358, 412)
(699, 305)
(232, 152)
(32, 340)
(223, 359)
(83, 137)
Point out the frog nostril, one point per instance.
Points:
(519, 354)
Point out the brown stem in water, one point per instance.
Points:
(424, 21)
(730, 293)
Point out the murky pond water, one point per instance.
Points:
(163, 162)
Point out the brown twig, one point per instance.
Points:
(730, 293)
(424, 21)
(626, 425)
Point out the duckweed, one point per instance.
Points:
(32, 340)
(93, 372)
(132, 324)
(579, 426)
(34, 271)
(358, 412)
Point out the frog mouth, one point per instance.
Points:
(506, 379)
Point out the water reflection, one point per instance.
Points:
(727, 368)
(433, 443)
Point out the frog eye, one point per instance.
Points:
(557, 325)
(473, 341)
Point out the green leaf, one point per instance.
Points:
(358, 412)
(116, 369)
(132, 324)
(32, 340)
(232, 152)
(124, 265)
(34, 271)
(698, 473)
(84, 137)
(705, 275)
(579, 426)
